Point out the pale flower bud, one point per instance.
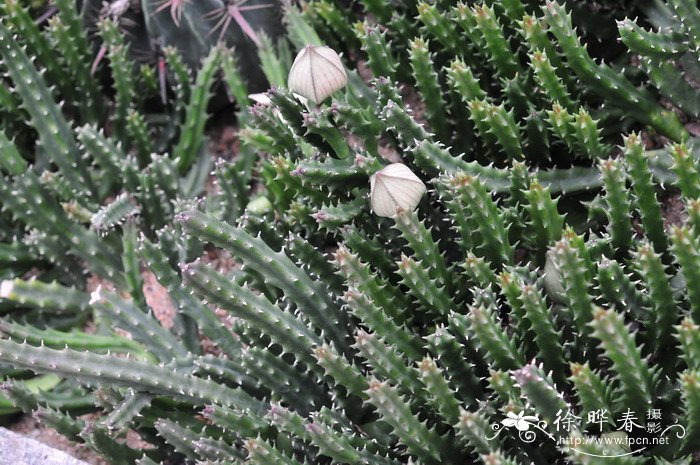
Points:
(6, 288)
(317, 72)
(395, 188)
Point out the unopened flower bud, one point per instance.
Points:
(6, 288)
(395, 188)
(317, 72)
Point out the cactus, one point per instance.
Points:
(534, 280)
(193, 29)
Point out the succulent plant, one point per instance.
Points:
(75, 203)
(430, 329)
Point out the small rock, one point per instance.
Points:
(19, 450)
(693, 128)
